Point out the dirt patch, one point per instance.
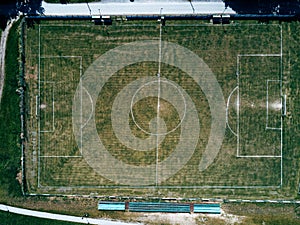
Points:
(191, 219)
(169, 218)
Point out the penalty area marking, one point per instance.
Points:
(53, 111)
(238, 110)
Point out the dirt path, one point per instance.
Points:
(3, 41)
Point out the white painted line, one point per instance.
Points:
(53, 107)
(39, 121)
(273, 201)
(59, 56)
(281, 125)
(216, 25)
(227, 107)
(258, 156)
(259, 55)
(164, 187)
(267, 106)
(53, 113)
(158, 102)
(273, 128)
(284, 105)
(238, 105)
(59, 156)
(37, 103)
(91, 100)
(80, 80)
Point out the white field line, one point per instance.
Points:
(227, 107)
(53, 106)
(157, 131)
(164, 187)
(53, 114)
(36, 106)
(80, 80)
(267, 106)
(53, 102)
(219, 25)
(59, 156)
(223, 187)
(259, 55)
(58, 56)
(82, 25)
(258, 156)
(274, 81)
(284, 105)
(91, 100)
(238, 105)
(158, 104)
(66, 25)
(237, 73)
(273, 128)
(174, 25)
(281, 124)
(39, 121)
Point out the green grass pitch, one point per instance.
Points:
(156, 121)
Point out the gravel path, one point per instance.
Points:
(4, 36)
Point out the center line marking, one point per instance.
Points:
(158, 103)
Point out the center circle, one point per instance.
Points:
(159, 86)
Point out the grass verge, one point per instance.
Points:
(14, 219)
(9, 121)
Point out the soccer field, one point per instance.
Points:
(186, 107)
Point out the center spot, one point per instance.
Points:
(157, 125)
(159, 101)
(151, 120)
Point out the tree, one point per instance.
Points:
(9, 9)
